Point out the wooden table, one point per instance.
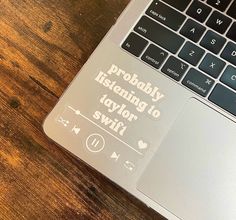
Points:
(43, 44)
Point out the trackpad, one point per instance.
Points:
(193, 174)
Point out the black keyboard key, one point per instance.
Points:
(154, 56)
(224, 98)
(174, 68)
(219, 4)
(191, 53)
(166, 15)
(232, 10)
(213, 42)
(229, 77)
(198, 82)
(212, 65)
(180, 5)
(199, 11)
(159, 34)
(232, 32)
(192, 30)
(134, 44)
(218, 22)
(229, 53)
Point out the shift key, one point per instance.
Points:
(159, 34)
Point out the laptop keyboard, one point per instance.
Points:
(192, 42)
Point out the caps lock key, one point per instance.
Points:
(166, 15)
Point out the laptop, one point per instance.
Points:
(154, 107)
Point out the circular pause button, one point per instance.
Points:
(95, 143)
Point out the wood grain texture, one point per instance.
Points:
(43, 44)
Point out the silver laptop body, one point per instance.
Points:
(165, 135)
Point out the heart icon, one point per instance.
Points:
(142, 145)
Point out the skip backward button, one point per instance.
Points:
(95, 143)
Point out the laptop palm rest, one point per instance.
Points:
(193, 174)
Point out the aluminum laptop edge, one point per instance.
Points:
(163, 143)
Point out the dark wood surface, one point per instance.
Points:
(43, 44)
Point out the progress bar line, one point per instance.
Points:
(83, 116)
